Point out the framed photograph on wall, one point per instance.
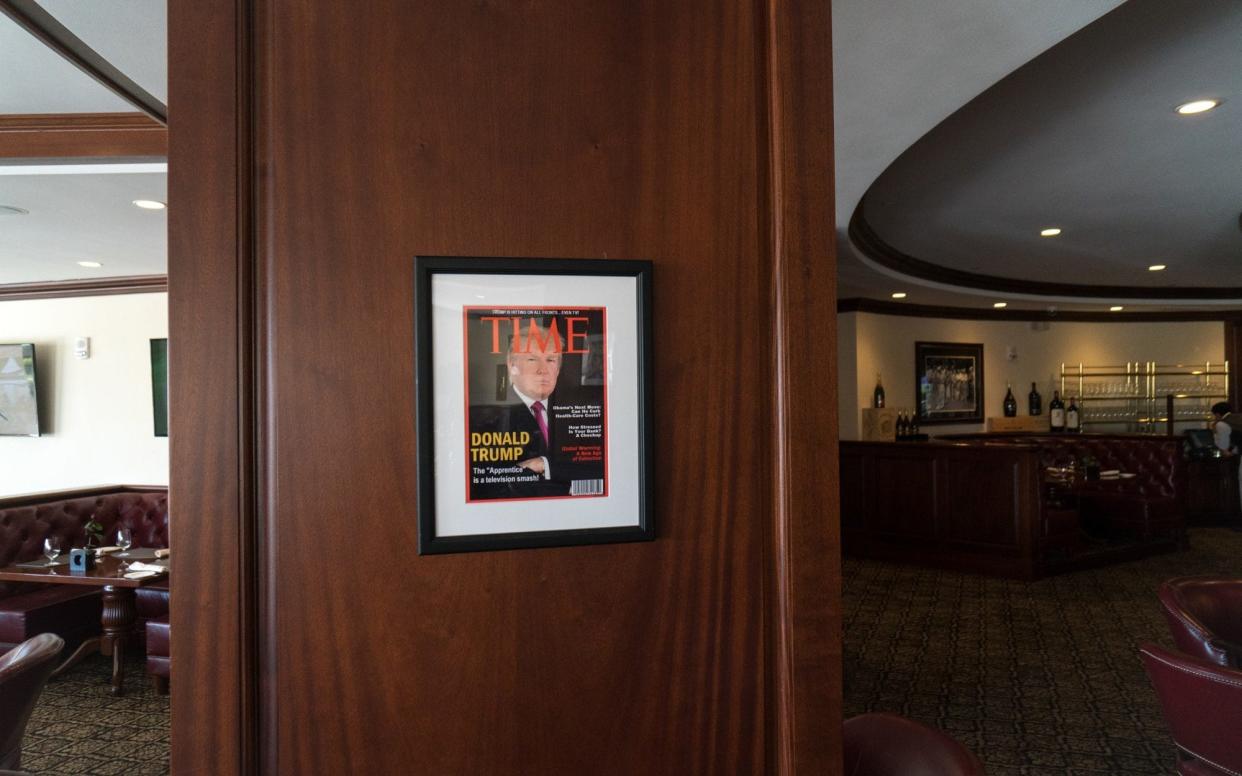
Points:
(948, 382)
(533, 402)
(19, 397)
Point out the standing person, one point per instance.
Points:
(1227, 433)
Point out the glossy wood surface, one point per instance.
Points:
(107, 571)
(213, 723)
(610, 129)
(81, 135)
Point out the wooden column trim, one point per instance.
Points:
(213, 489)
(32, 17)
(57, 289)
(803, 611)
(81, 135)
(1233, 354)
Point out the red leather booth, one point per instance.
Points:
(69, 611)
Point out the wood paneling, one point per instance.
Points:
(56, 289)
(211, 447)
(694, 134)
(81, 135)
(803, 573)
(905, 496)
(1233, 354)
(981, 500)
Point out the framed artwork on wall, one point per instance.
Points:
(533, 402)
(159, 385)
(19, 398)
(948, 382)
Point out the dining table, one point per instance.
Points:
(118, 586)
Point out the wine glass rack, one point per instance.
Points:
(1145, 397)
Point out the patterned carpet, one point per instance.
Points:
(79, 729)
(1036, 678)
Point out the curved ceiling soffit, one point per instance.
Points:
(876, 250)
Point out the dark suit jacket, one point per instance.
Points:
(515, 417)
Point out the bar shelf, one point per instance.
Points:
(1145, 397)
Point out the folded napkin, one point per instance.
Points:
(105, 550)
(1110, 473)
(161, 553)
(140, 574)
(152, 567)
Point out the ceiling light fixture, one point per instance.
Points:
(91, 264)
(1197, 106)
(1156, 268)
(899, 295)
(999, 305)
(1116, 308)
(150, 204)
(1051, 231)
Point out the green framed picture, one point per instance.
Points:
(159, 385)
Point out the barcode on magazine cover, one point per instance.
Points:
(586, 487)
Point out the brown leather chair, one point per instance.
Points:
(1205, 616)
(889, 745)
(23, 672)
(1202, 703)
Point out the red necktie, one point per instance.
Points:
(543, 424)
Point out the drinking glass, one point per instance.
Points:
(124, 539)
(51, 549)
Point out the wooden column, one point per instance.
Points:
(695, 134)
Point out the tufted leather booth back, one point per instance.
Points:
(24, 526)
(1156, 460)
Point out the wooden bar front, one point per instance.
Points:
(970, 507)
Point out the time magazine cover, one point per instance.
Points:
(536, 399)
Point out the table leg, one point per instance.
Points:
(120, 614)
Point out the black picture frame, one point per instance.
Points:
(636, 518)
(948, 382)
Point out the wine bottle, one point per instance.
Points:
(1056, 411)
(1035, 402)
(1011, 404)
(901, 425)
(877, 397)
(912, 427)
(1073, 419)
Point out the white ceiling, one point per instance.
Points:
(82, 217)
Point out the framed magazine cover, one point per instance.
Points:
(532, 402)
(948, 382)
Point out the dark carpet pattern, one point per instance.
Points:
(1036, 678)
(79, 729)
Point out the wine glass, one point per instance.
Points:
(124, 539)
(51, 549)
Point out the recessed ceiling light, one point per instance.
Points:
(1116, 308)
(9, 210)
(999, 305)
(91, 264)
(899, 295)
(149, 204)
(1051, 231)
(1156, 268)
(1198, 106)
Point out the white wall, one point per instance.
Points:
(885, 344)
(96, 415)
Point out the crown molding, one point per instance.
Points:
(56, 289)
